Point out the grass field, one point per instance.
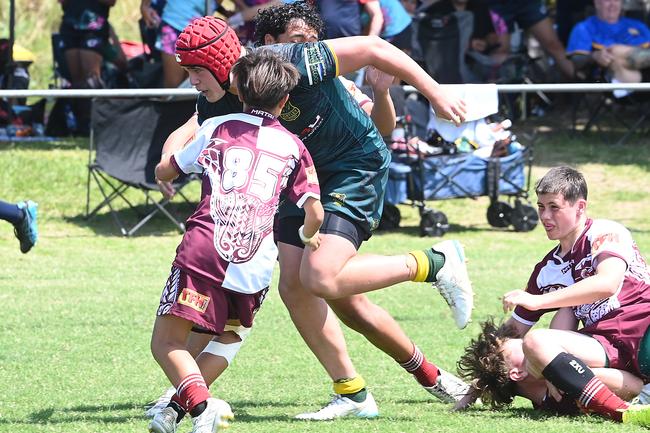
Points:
(77, 310)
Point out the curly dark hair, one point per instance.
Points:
(274, 20)
(484, 366)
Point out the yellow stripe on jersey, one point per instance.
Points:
(336, 59)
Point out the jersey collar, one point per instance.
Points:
(260, 113)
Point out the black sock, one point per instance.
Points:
(568, 374)
(198, 409)
(179, 410)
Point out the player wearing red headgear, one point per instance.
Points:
(209, 43)
(352, 160)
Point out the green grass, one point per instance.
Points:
(77, 311)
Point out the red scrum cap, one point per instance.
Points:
(208, 42)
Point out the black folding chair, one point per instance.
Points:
(629, 112)
(126, 142)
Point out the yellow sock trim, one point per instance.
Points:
(423, 265)
(349, 386)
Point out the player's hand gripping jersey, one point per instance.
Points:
(247, 161)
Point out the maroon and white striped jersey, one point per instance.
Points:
(247, 160)
(555, 272)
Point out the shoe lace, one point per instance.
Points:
(449, 387)
(440, 392)
(167, 417)
(337, 400)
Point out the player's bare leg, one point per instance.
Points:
(336, 271)
(381, 329)
(322, 333)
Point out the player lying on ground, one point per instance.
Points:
(597, 276)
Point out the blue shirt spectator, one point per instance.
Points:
(596, 34)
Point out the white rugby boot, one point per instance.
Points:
(341, 406)
(452, 281)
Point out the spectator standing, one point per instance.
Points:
(397, 24)
(343, 17)
(567, 14)
(176, 14)
(84, 35)
(84, 39)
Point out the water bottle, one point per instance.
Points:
(70, 119)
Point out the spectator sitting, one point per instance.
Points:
(619, 45)
(487, 45)
(531, 15)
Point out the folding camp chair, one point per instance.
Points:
(126, 142)
(630, 112)
(442, 39)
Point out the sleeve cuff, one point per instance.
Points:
(174, 163)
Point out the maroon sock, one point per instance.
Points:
(597, 398)
(192, 391)
(424, 372)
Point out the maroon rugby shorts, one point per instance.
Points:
(205, 304)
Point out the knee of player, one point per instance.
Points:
(290, 289)
(159, 347)
(317, 286)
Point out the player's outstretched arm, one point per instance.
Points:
(358, 51)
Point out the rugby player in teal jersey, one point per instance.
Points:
(352, 161)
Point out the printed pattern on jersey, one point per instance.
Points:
(246, 162)
(244, 208)
(555, 272)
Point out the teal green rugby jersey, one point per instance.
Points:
(320, 111)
